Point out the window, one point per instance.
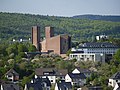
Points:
(9, 76)
(51, 80)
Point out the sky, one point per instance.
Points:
(65, 8)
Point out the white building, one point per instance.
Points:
(114, 79)
(87, 57)
(94, 51)
(86, 72)
(52, 74)
(77, 79)
(62, 85)
(104, 37)
(117, 86)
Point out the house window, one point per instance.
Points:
(9, 76)
(51, 80)
(10, 79)
(48, 89)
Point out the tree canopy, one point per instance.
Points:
(13, 25)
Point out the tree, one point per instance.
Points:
(22, 48)
(68, 52)
(117, 56)
(31, 48)
(25, 80)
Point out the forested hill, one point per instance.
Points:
(99, 17)
(14, 25)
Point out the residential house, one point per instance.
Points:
(117, 86)
(12, 75)
(114, 79)
(10, 86)
(77, 79)
(38, 84)
(52, 73)
(86, 72)
(62, 85)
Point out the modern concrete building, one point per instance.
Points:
(88, 57)
(94, 52)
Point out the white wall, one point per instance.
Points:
(76, 71)
(87, 57)
(113, 82)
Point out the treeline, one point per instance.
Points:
(99, 17)
(14, 25)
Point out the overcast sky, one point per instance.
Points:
(61, 7)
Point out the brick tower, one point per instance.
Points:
(49, 32)
(36, 37)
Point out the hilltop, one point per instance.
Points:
(99, 17)
(15, 25)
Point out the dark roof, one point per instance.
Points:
(84, 70)
(64, 85)
(98, 45)
(95, 88)
(42, 80)
(118, 86)
(10, 87)
(34, 86)
(38, 83)
(77, 75)
(12, 72)
(116, 76)
(50, 71)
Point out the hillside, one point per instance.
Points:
(14, 25)
(99, 17)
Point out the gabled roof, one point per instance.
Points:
(64, 85)
(42, 80)
(84, 70)
(116, 76)
(10, 87)
(118, 86)
(12, 72)
(50, 71)
(34, 86)
(38, 83)
(77, 75)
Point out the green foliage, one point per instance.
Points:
(26, 68)
(22, 48)
(13, 25)
(25, 80)
(32, 48)
(117, 56)
(68, 52)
